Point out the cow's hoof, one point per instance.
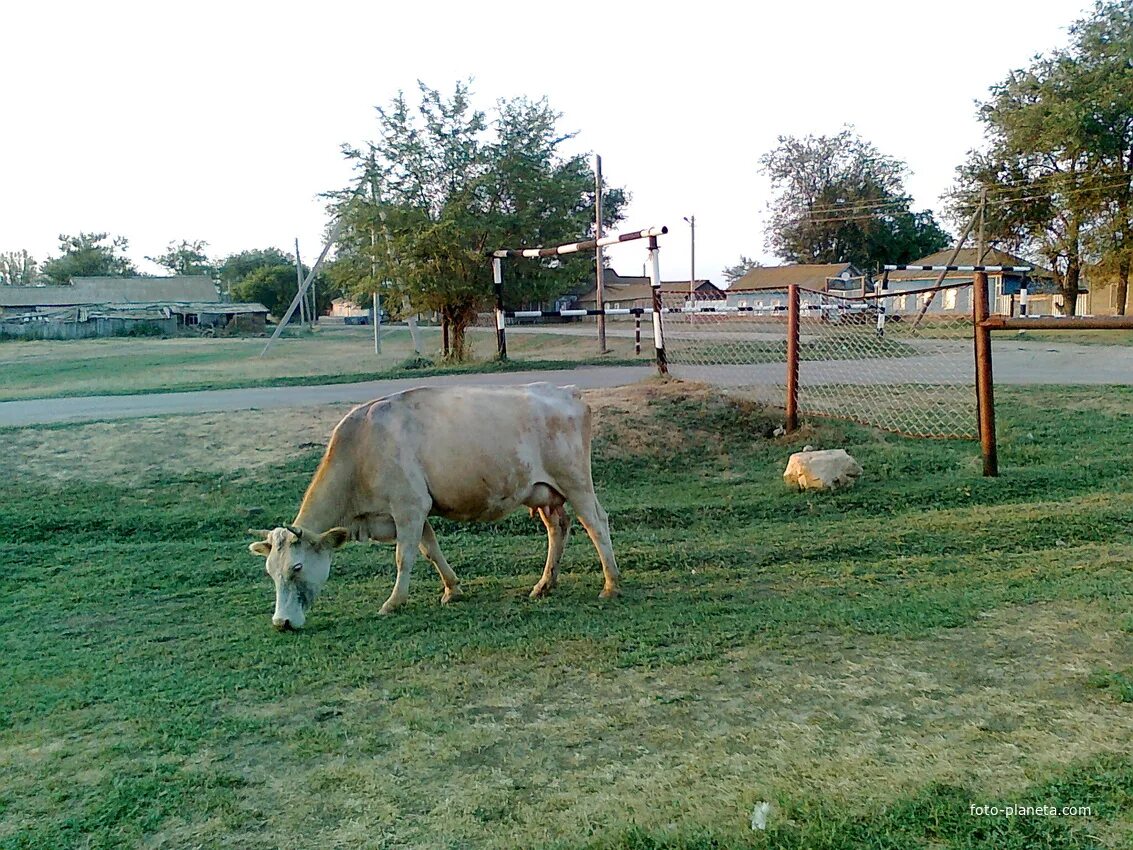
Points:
(541, 590)
(609, 593)
(389, 608)
(451, 594)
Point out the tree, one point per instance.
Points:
(734, 273)
(269, 278)
(444, 184)
(90, 255)
(840, 200)
(186, 258)
(273, 286)
(1058, 166)
(238, 266)
(17, 268)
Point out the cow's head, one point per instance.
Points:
(298, 561)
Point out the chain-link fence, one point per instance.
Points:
(916, 376)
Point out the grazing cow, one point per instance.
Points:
(463, 453)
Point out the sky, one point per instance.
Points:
(223, 121)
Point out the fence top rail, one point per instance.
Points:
(998, 322)
(574, 247)
(1021, 269)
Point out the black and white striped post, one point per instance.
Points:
(498, 256)
(655, 286)
(879, 286)
(498, 280)
(1023, 298)
(637, 334)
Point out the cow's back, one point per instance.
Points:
(477, 450)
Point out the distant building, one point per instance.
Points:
(765, 287)
(101, 306)
(1003, 287)
(628, 292)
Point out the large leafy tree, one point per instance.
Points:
(838, 199)
(236, 267)
(90, 255)
(185, 257)
(268, 276)
(445, 183)
(1058, 166)
(17, 268)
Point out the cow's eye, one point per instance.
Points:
(297, 568)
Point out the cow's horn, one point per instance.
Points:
(259, 532)
(298, 532)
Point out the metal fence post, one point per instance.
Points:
(792, 358)
(985, 391)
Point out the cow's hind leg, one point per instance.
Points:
(597, 524)
(431, 549)
(555, 518)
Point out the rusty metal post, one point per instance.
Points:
(792, 358)
(985, 390)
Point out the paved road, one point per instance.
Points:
(47, 411)
(1016, 362)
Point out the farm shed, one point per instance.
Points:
(86, 322)
(93, 306)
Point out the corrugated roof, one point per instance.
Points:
(807, 275)
(146, 290)
(118, 290)
(618, 288)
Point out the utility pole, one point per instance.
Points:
(691, 219)
(601, 301)
(299, 275)
(374, 268)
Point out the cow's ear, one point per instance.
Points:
(260, 547)
(333, 538)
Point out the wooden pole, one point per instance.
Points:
(985, 391)
(792, 358)
(299, 281)
(951, 259)
(374, 258)
(598, 262)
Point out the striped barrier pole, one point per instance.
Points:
(650, 233)
(880, 308)
(655, 284)
(1023, 299)
(498, 279)
(637, 334)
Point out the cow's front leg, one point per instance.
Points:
(408, 539)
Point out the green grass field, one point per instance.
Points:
(334, 354)
(873, 662)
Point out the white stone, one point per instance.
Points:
(821, 470)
